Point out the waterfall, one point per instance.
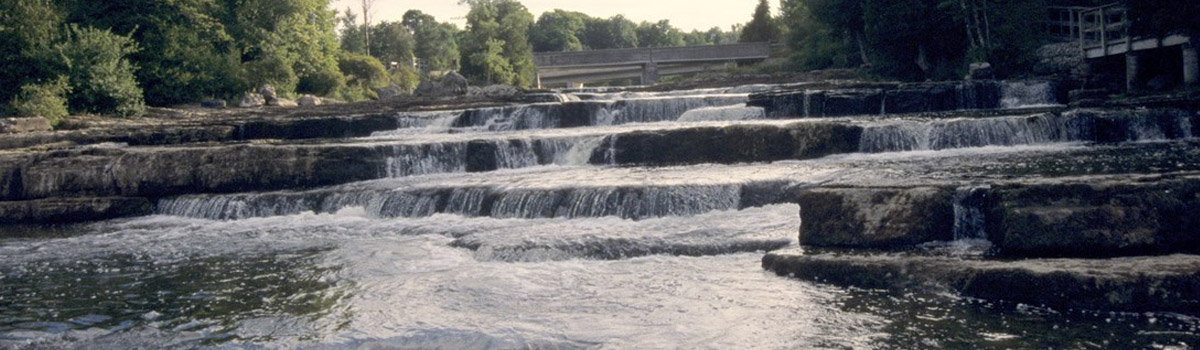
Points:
(912, 135)
(624, 202)
(434, 121)
(590, 113)
(969, 218)
(1026, 94)
(580, 152)
(407, 160)
(734, 112)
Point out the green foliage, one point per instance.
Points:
(616, 32)
(28, 29)
(558, 31)
(185, 51)
(323, 83)
(913, 39)
(274, 71)
(362, 70)
(391, 42)
(351, 36)
(101, 78)
(498, 22)
(43, 100)
(405, 77)
(814, 45)
(659, 34)
(496, 68)
(761, 27)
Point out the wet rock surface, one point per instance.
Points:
(1158, 283)
(71, 210)
(875, 217)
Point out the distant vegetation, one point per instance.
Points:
(115, 57)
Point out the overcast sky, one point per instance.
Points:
(684, 14)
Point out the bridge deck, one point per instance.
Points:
(630, 57)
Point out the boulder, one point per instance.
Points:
(390, 92)
(474, 91)
(281, 102)
(268, 92)
(501, 92)
(252, 99)
(22, 125)
(981, 71)
(451, 85)
(213, 103)
(308, 100)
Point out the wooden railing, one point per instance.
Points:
(1094, 27)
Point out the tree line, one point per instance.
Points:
(110, 57)
(116, 57)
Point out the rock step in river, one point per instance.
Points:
(435, 234)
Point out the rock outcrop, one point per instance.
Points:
(875, 217)
(71, 210)
(251, 99)
(24, 125)
(450, 85)
(1135, 284)
(727, 145)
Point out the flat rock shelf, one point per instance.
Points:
(832, 215)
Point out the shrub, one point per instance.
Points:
(324, 82)
(100, 75)
(406, 78)
(363, 70)
(46, 100)
(274, 71)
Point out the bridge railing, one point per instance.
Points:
(615, 57)
(1093, 27)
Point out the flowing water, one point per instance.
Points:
(550, 252)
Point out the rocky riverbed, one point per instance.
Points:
(430, 224)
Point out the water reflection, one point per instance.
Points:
(207, 297)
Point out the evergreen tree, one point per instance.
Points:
(762, 26)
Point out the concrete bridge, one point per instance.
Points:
(1103, 33)
(579, 67)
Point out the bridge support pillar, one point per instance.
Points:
(1191, 64)
(1132, 66)
(650, 73)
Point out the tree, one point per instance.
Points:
(99, 74)
(558, 31)
(496, 67)
(503, 22)
(1163, 17)
(435, 43)
(762, 26)
(351, 33)
(616, 32)
(659, 34)
(28, 28)
(367, 5)
(392, 43)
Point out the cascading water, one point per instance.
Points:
(974, 132)
(734, 112)
(969, 218)
(557, 248)
(1027, 94)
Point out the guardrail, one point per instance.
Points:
(1094, 27)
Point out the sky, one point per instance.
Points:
(683, 14)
